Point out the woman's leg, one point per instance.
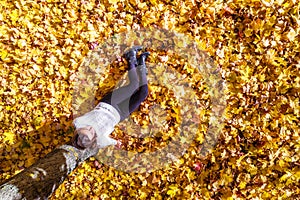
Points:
(128, 98)
(119, 95)
(126, 107)
(137, 98)
(131, 104)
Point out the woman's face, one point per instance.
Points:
(89, 131)
(85, 136)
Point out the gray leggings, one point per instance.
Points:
(128, 98)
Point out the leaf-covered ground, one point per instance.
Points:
(254, 43)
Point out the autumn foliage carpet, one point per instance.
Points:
(255, 43)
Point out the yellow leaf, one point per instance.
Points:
(173, 189)
(14, 15)
(63, 72)
(113, 1)
(3, 30)
(242, 184)
(281, 163)
(9, 137)
(21, 43)
(285, 177)
(248, 32)
(291, 34)
(153, 2)
(4, 54)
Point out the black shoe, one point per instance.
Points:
(130, 55)
(141, 62)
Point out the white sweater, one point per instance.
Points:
(102, 118)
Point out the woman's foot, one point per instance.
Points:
(141, 62)
(130, 55)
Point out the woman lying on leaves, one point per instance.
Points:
(94, 127)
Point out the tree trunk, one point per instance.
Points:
(41, 179)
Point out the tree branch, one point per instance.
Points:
(41, 179)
